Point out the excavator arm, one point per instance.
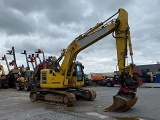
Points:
(126, 97)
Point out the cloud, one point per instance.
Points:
(52, 25)
(14, 22)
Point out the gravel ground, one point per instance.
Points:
(16, 105)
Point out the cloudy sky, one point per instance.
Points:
(52, 25)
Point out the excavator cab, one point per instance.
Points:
(78, 71)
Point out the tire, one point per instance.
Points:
(112, 85)
(27, 86)
(102, 83)
(109, 84)
(18, 86)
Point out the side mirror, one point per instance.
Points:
(82, 66)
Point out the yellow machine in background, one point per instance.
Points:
(24, 80)
(9, 79)
(2, 70)
(3, 78)
(62, 83)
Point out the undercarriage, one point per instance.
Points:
(62, 97)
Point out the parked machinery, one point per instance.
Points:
(26, 80)
(114, 78)
(13, 62)
(96, 79)
(26, 56)
(63, 82)
(12, 73)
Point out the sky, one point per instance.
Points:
(51, 25)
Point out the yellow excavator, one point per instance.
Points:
(24, 80)
(62, 83)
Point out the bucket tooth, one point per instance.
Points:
(121, 103)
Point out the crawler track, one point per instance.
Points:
(58, 97)
(86, 94)
(53, 97)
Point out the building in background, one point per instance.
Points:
(150, 73)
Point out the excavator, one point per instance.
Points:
(12, 73)
(62, 83)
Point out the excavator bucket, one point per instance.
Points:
(121, 103)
